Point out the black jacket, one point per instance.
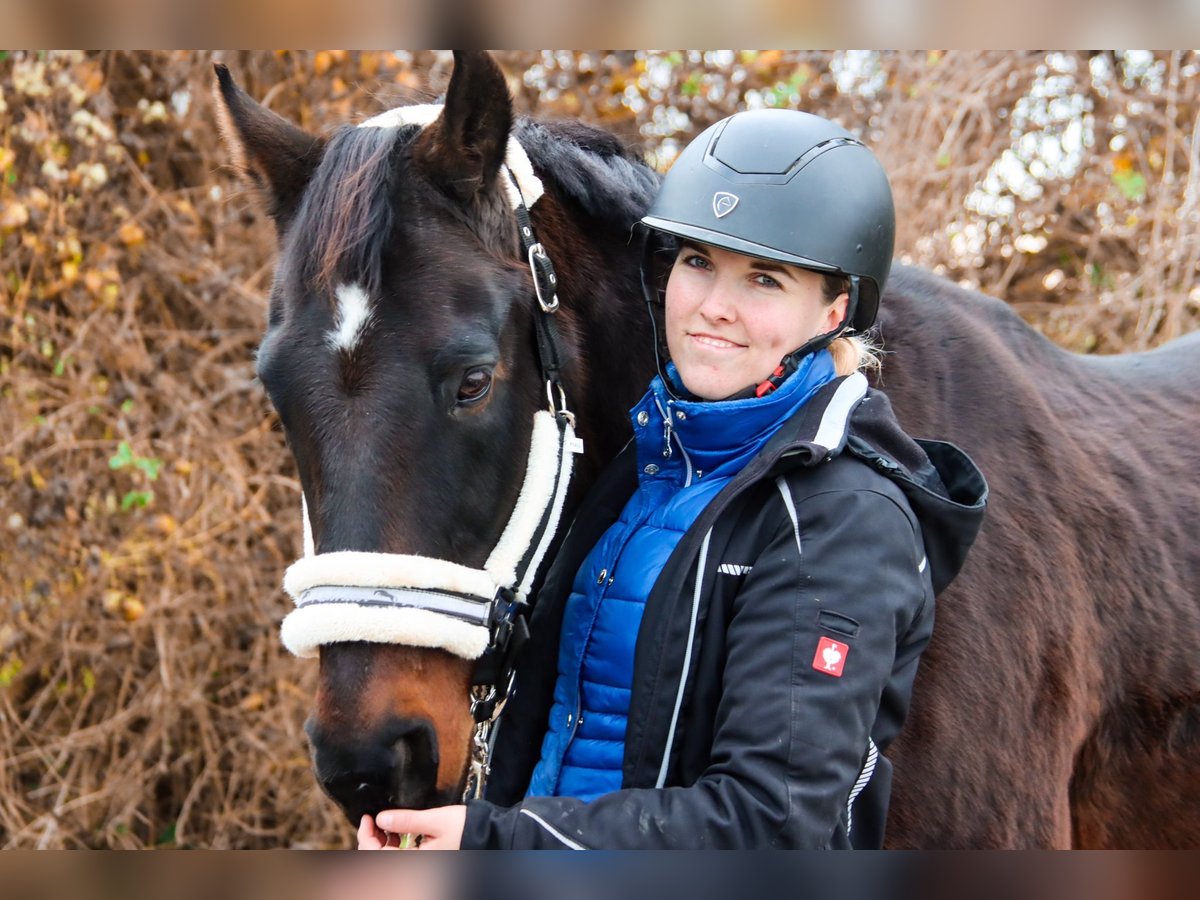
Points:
(842, 528)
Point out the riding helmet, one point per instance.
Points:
(787, 186)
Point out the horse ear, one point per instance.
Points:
(463, 149)
(271, 152)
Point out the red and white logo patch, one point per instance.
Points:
(831, 656)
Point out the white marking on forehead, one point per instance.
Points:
(353, 316)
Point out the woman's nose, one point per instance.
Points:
(716, 305)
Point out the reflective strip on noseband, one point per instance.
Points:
(419, 601)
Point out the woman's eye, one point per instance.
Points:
(475, 384)
(766, 280)
(696, 261)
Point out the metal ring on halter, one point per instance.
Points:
(481, 694)
(539, 251)
(561, 410)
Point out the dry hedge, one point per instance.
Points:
(150, 504)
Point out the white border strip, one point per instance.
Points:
(832, 432)
(791, 508)
(687, 660)
(864, 776)
(558, 835)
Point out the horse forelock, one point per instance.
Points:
(347, 214)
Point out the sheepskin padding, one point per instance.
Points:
(528, 188)
(534, 499)
(357, 568)
(570, 446)
(304, 630)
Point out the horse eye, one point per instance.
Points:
(475, 385)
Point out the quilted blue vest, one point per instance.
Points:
(686, 452)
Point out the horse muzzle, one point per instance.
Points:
(394, 767)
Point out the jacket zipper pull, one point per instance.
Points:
(667, 435)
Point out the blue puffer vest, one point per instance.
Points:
(686, 451)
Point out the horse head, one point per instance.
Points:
(400, 356)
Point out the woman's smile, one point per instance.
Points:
(716, 343)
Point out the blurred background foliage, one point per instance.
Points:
(149, 504)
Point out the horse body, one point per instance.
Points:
(1057, 704)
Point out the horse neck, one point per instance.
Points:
(954, 357)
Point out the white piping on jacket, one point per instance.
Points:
(864, 776)
(836, 417)
(687, 660)
(555, 833)
(791, 508)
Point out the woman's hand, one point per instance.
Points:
(439, 829)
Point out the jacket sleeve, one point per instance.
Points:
(790, 733)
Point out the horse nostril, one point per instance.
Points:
(416, 759)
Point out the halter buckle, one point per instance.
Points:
(540, 267)
(559, 411)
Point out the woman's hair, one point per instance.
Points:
(851, 352)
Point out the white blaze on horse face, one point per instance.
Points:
(353, 316)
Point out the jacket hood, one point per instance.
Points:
(943, 485)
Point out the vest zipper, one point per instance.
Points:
(668, 433)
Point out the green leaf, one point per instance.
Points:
(149, 466)
(139, 499)
(674, 57)
(10, 670)
(1099, 277)
(691, 87)
(1131, 184)
(943, 160)
(89, 680)
(3, 55)
(11, 177)
(122, 458)
(127, 406)
(60, 367)
(167, 836)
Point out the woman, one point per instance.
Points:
(727, 639)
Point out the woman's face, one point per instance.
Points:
(731, 318)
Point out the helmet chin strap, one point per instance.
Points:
(791, 362)
(650, 294)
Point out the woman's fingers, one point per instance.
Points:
(440, 828)
(369, 837)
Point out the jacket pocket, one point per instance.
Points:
(835, 621)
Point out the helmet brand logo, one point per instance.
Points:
(723, 203)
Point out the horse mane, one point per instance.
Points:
(590, 167)
(347, 214)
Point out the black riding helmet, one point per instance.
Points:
(787, 186)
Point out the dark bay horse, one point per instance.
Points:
(1058, 704)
